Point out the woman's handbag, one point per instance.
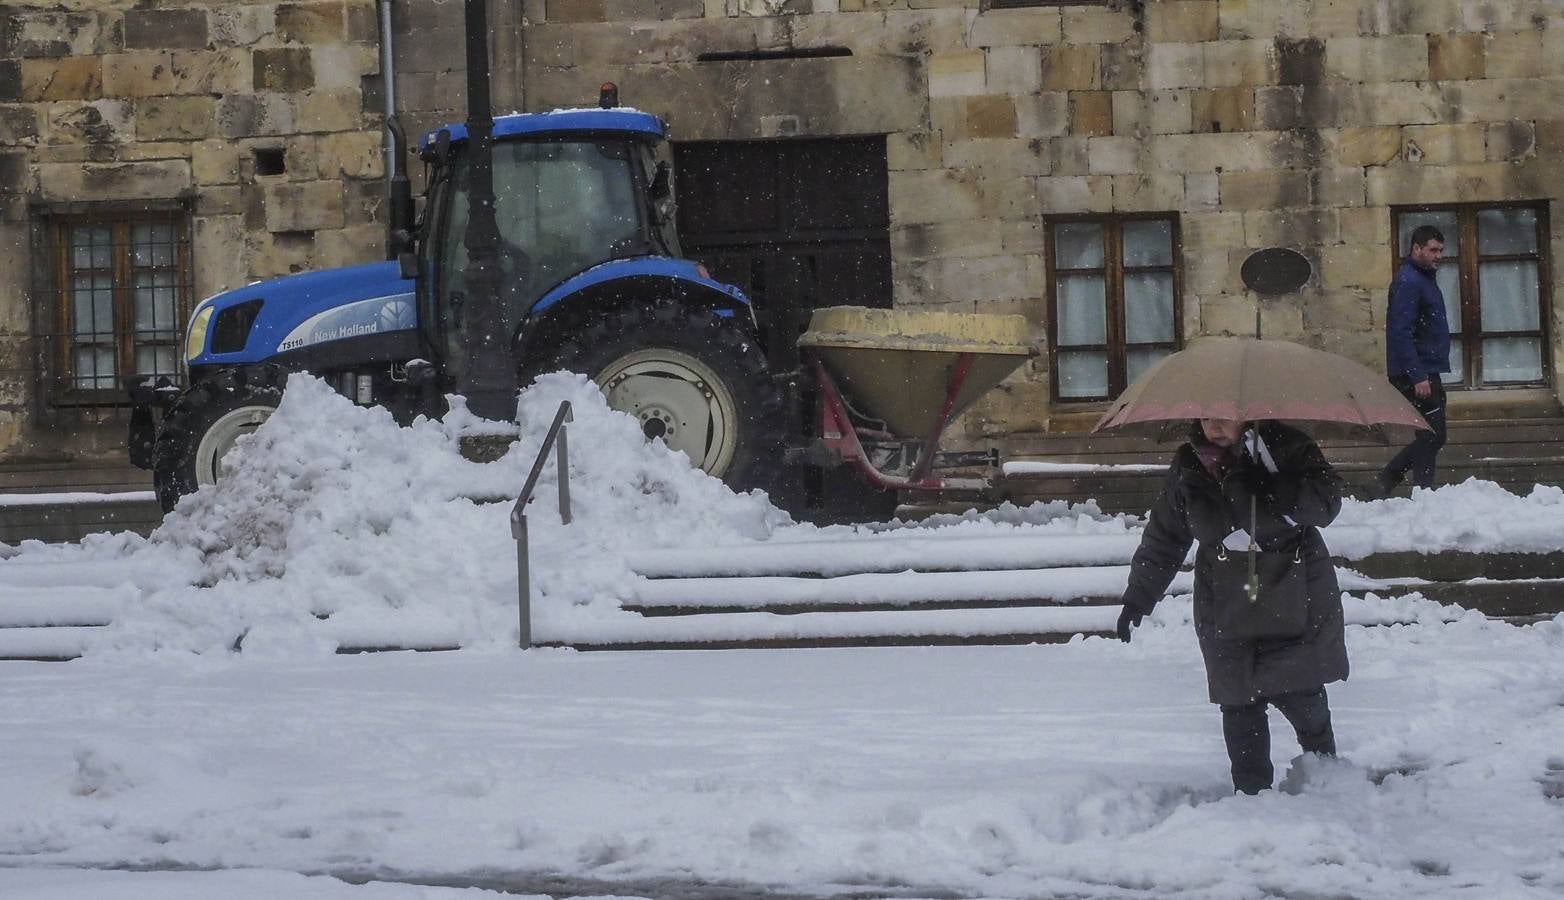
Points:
(1259, 595)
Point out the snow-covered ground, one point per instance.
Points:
(1088, 769)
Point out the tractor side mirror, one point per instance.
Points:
(407, 265)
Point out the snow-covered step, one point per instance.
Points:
(1084, 585)
(887, 554)
(44, 643)
(33, 607)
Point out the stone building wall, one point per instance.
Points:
(117, 101)
(1260, 123)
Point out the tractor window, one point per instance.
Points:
(562, 207)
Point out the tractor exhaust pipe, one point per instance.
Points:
(399, 225)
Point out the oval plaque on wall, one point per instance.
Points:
(1276, 270)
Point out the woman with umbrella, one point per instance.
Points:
(1254, 492)
(1218, 480)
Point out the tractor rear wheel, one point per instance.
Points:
(204, 424)
(690, 377)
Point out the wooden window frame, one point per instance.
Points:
(1469, 262)
(59, 374)
(1113, 272)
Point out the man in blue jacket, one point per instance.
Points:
(1417, 351)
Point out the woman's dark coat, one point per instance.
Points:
(1194, 506)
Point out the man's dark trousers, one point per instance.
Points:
(1419, 455)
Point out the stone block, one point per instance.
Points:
(138, 74)
(1240, 63)
(343, 66)
(351, 155)
(1407, 185)
(1333, 311)
(174, 118)
(1511, 141)
(1347, 266)
(1550, 136)
(1043, 114)
(113, 181)
(1240, 151)
(10, 81)
(937, 195)
(1457, 57)
(1097, 25)
(551, 45)
(1123, 67)
(285, 253)
(312, 23)
(1070, 68)
(301, 157)
(1155, 192)
(51, 35)
(19, 125)
(1363, 225)
(363, 22)
(991, 116)
(1302, 229)
(331, 111)
(1170, 112)
(283, 69)
(1516, 15)
(1130, 118)
(1383, 17)
(957, 74)
(1223, 110)
(1003, 157)
(1013, 70)
(1269, 189)
(205, 72)
(218, 245)
(1402, 57)
(1033, 27)
(1022, 236)
(1364, 146)
(1075, 193)
(255, 115)
(1212, 231)
(353, 245)
(910, 151)
(165, 29)
(241, 25)
(304, 206)
(1182, 21)
(1091, 113)
(1203, 191)
(1340, 187)
(576, 11)
(1228, 315)
(1069, 155)
(1517, 54)
(947, 240)
(1176, 65)
(1114, 156)
(71, 78)
(99, 122)
(1444, 144)
(215, 162)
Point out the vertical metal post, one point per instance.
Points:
(518, 530)
(562, 462)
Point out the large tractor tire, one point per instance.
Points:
(693, 379)
(204, 424)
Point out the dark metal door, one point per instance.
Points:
(798, 224)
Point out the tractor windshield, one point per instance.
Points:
(561, 207)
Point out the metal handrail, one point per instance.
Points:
(518, 514)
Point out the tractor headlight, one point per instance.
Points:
(195, 336)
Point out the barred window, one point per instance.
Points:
(1113, 301)
(122, 285)
(1494, 277)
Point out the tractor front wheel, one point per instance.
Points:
(692, 378)
(204, 424)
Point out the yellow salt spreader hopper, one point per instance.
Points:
(889, 382)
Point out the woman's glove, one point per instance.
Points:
(1129, 617)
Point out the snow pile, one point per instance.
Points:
(337, 523)
(1474, 516)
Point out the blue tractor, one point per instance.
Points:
(592, 282)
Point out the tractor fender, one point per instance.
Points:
(643, 267)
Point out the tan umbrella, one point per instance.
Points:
(1249, 379)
